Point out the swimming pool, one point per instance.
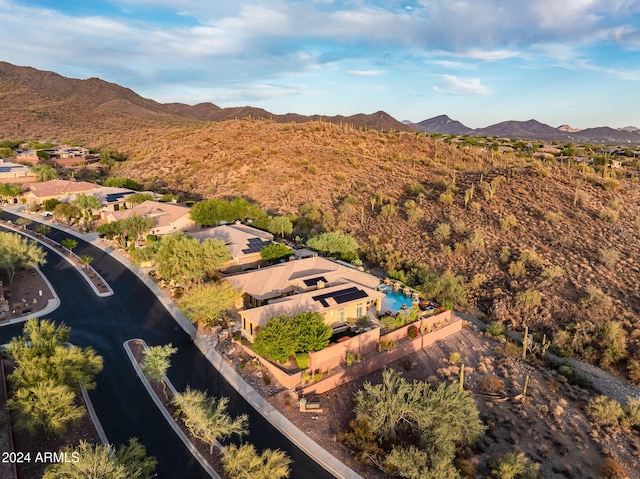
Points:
(394, 300)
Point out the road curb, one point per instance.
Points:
(194, 451)
(51, 306)
(66, 258)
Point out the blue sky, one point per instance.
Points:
(478, 61)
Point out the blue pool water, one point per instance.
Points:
(394, 300)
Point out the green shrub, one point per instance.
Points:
(495, 328)
(528, 300)
(552, 273)
(609, 215)
(442, 232)
(605, 411)
(302, 359)
(517, 269)
(508, 222)
(386, 344)
(609, 257)
(514, 465)
(446, 198)
(611, 184)
(553, 218)
(392, 322)
(412, 332)
(455, 358)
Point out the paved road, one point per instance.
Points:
(120, 400)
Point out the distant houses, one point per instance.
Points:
(61, 156)
(14, 173)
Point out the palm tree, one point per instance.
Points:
(85, 260)
(87, 204)
(245, 462)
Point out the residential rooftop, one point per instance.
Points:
(299, 275)
(242, 240)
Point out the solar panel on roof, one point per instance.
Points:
(254, 245)
(341, 297)
(314, 281)
(350, 296)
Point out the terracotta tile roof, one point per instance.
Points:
(60, 188)
(165, 214)
(273, 281)
(241, 240)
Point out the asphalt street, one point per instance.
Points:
(120, 400)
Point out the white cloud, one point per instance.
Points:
(453, 85)
(452, 65)
(490, 55)
(365, 73)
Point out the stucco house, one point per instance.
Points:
(337, 292)
(169, 217)
(244, 243)
(14, 172)
(59, 189)
(111, 198)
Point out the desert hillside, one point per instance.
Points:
(530, 216)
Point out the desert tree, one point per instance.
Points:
(284, 336)
(415, 421)
(129, 461)
(69, 244)
(137, 198)
(156, 362)
(242, 462)
(86, 260)
(275, 252)
(45, 406)
(205, 303)
(207, 418)
(19, 252)
(9, 191)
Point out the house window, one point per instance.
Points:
(341, 315)
(359, 310)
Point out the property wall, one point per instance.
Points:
(425, 324)
(333, 356)
(380, 360)
(289, 381)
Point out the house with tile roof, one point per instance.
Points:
(244, 243)
(14, 172)
(111, 198)
(169, 217)
(339, 293)
(59, 189)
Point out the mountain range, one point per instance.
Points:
(530, 130)
(36, 103)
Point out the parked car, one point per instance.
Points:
(46, 213)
